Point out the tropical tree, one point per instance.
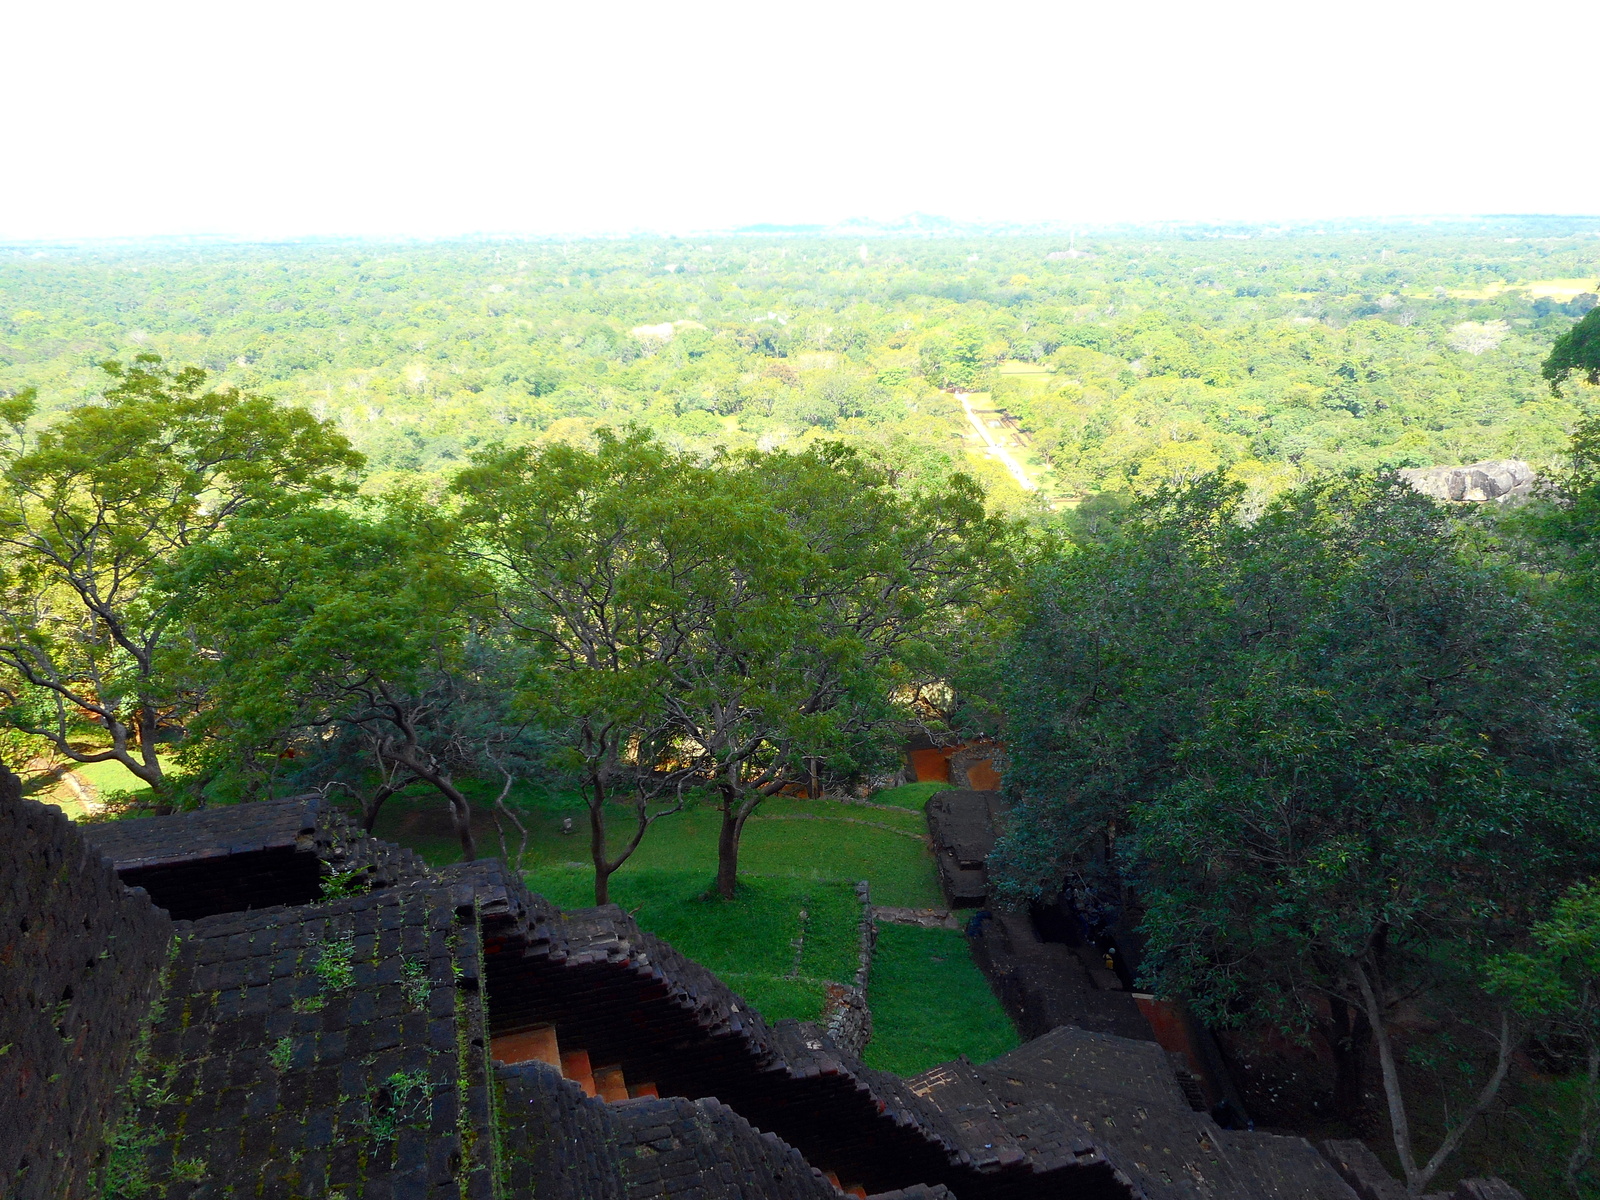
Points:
(887, 586)
(1563, 536)
(321, 621)
(93, 505)
(741, 624)
(1576, 352)
(1331, 748)
(1556, 981)
(613, 564)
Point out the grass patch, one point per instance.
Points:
(758, 943)
(814, 840)
(910, 795)
(930, 1003)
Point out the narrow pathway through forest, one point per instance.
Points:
(999, 451)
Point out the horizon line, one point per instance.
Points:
(911, 225)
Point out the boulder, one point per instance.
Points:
(1498, 479)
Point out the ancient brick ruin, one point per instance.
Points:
(448, 1033)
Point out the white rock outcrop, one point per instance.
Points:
(1498, 479)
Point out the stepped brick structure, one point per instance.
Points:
(962, 823)
(451, 1034)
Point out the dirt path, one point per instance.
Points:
(999, 451)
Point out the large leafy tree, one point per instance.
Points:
(93, 505)
(613, 564)
(887, 584)
(1332, 748)
(1563, 533)
(1555, 980)
(1576, 352)
(322, 622)
(741, 624)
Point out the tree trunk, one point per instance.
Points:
(461, 815)
(728, 849)
(597, 850)
(427, 770)
(1417, 1177)
(152, 774)
(1349, 1037)
(370, 808)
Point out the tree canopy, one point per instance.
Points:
(94, 504)
(740, 624)
(1576, 352)
(1329, 746)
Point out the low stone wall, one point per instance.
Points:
(80, 959)
(845, 1014)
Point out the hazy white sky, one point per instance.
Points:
(341, 117)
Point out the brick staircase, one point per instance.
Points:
(591, 978)
(540, 1044)
(479, 1039)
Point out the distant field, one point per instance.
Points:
(1554, 289)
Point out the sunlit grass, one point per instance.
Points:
(751, 941)
(910, 795)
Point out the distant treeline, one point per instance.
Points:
(1271, 357)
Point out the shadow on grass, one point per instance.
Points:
(930, 1003)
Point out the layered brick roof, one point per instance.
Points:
(347, 1048)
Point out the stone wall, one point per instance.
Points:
(845, 1013)
(80, 959)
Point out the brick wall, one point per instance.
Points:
(80, 959)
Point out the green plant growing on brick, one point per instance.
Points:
(280, 1054)
(126, 1172)
(402, 1099)
(335, 966)
(189, 1170)
(339, 885)
(414, 981)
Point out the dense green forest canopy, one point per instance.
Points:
(1128, 359)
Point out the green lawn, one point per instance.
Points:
(910, 795)
(795, 839)
(929, 1001)
(760, 944)
(102, 777)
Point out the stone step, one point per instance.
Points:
(575, 1066)
(638, 1091)
(530, 1045)
(609, 1084)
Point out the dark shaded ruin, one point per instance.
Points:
(448, 1033)
(1046, 968)
(962, 823)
